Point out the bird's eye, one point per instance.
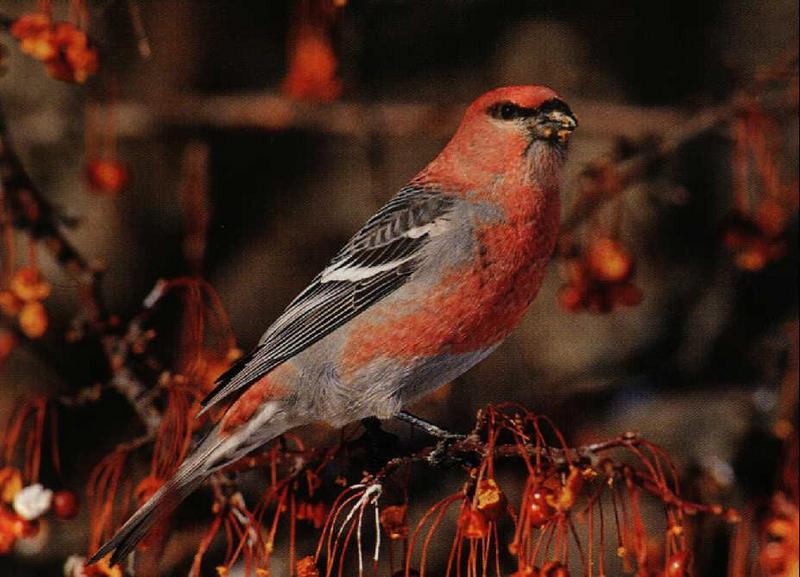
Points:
(506, 111)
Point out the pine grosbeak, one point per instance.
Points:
(429, 286)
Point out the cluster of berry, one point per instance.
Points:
(64, 49)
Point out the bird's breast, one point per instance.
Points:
(472, 306)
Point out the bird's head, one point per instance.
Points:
(509, 124)
(526, 114)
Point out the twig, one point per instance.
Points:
(660, 145)
(31, 212)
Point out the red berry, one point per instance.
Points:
(540, 511)
(473, 523)
(108, 176)
(570, 298)
(65, 504)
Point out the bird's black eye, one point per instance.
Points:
(508, 111)
(505, 111)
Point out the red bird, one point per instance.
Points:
(429, 286)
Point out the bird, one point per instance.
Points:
(426, 289)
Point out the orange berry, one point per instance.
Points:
(107, 176)
(576, 272)
(490, 499)
(35, 35)
(33, 320)
(753, 258)
(10, 484)
(76, 60)
(608, 261)
(14, 525)
(778, 528)
(29, 285)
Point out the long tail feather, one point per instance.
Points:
(134, 530)
(215, 452)
(186, 479)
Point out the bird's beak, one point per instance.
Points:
(555, 126)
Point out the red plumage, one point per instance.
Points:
(429, 286)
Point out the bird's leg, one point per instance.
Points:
(428, 427)
(371, 424)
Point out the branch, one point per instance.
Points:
(606, 179)
(29, 211)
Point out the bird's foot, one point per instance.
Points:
(372, 449)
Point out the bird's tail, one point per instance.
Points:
(164, 500)
(215, 452)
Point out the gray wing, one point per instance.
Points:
(374, 263)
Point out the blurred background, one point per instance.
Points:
(246, 141)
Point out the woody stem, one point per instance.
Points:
(427, 426)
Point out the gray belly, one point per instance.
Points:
(383, 387)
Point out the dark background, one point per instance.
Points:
(696, 367)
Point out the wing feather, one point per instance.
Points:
(374, 263)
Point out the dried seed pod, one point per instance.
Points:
(490, 499)
(307, 567)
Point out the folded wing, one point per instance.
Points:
(374, 263)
